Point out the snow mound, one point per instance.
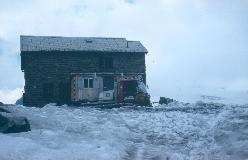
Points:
(176, 131)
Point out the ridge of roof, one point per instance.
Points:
(71, 37)
(60, 43)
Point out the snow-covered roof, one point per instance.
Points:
(99, 44)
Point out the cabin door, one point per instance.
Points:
(64, 93)
(88, 88)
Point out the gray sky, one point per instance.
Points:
(196, 47)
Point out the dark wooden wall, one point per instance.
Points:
(41, 68)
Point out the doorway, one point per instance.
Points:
(108, 83)
(64, 93)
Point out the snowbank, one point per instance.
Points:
(178, 131)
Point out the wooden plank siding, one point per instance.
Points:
(55, 67)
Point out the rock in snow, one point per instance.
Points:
(166, 101)
(13, 124)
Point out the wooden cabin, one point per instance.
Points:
(51, 65)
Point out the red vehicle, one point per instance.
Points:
(132, 90)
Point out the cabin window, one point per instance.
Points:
(106, 63)
(108, 83)
(130, 88)
(48, 89)
(88, 83)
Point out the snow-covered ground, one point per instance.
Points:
(175, 132)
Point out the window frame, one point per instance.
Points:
(89, 82)
(86, 83)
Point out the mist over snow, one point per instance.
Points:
(197, 48)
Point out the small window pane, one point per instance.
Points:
(86, 83)
(90, 83)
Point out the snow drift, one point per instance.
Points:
(177, 131)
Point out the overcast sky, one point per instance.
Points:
(196, 47)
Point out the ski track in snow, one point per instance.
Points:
(200, 131)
